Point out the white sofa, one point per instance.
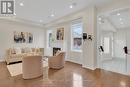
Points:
(16, 54)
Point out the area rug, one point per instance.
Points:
(16, 69)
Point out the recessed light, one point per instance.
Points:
(71, 6)
(52, 15)
(41, 20)
(120, 19)
(99, 18)
(118, 14)
(21, 4)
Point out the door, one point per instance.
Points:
(107, 45)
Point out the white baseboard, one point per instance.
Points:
(88, 67)
(73, 61)
(2, 60)
(80, 63)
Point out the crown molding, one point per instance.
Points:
(23, 21)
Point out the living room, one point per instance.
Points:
(69, 31)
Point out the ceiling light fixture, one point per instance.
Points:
(118, 14)
(52, 15)
(99, 18)
(120, 19)
(71, 6)
(21, 4)
(41, 20)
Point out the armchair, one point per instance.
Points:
(57, 62)
(32, 67)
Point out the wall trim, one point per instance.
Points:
(2, 60)
(73, 61)
(89, 67)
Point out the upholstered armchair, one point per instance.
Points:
(32, 67)
(57, 62)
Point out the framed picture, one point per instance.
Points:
(23, 37)
(29, 38)
(60, 34)
(50, 39)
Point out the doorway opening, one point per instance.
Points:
(113, 29)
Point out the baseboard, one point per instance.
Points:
(2, 60)
(73, 61)
(81, 64)
(89, 67)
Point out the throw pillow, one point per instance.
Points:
(58, 52)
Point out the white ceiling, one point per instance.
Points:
(122, 20)
(40, 10)
(107, 26)
(118, 19)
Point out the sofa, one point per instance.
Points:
(16, 54)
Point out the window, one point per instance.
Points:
(106, 44)
(76, 35)
(49, 38)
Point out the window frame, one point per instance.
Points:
(47, 34)
(78, 21)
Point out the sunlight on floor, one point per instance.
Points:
(123, 84)
(77, 80)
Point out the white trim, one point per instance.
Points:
(89, 68)
(2, 60)
(22, 21)
(73, 61)
(73, 23)
(79, 51)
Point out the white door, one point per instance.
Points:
(107, 45)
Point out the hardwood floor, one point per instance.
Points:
(72, 75)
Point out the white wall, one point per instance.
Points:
(6, 36)
(56, 43)
(66, 43)
(88, 57)
(90, 47)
